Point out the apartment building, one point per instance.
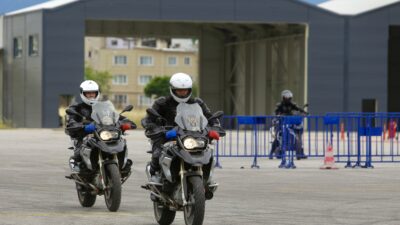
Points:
(133, 62)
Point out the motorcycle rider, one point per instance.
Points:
(286, 108)
(77, 127)
(180, 92)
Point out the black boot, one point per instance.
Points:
(155, 171)
(77, 152)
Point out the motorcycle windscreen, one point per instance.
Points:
(104, 113)
(190, 117)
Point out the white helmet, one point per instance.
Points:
(180, 81)
(287, 95)
(89, 86)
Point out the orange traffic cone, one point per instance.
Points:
(329, 160)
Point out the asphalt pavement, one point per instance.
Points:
(33, 190)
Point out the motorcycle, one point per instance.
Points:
(187, 166)
(105, 165)
(292, 126)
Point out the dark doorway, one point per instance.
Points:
(394, 69)
(369, 105)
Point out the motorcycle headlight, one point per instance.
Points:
(191, 143)
(108, 135)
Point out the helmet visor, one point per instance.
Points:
(91, 94)
(182, 93)
(287, 100)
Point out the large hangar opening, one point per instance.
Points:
(124, 66)
(270, 59)
(394, 69)
(242, 67)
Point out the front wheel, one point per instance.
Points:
(163, 215)
(194, 211)
(85, 197)
(112, 192)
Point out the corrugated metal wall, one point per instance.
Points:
(23, 75)
(342, 66)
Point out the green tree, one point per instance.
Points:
(195, 91)
(159, 86)
(102, 78)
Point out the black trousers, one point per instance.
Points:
(156, 153)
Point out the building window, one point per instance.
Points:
(120, 100)
(120, 60)
(17, 47)
(120, 79)
(33, 45)
(172, 61)
(149, 42)
(186, 60)
(146, 60)
(114, 42)
(144, 100)
(144, 79)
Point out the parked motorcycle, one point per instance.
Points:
(187, 165)
(293, 135)
(105, 165)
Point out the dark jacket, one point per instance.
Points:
(287, 109)
(166, 107)
(75, 124)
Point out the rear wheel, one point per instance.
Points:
(86, 199)
(163, 215)
(194, 211)
(112, 193)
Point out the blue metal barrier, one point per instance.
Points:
(290, 141)
(358, 139)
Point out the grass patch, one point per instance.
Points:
(136, 115)
(5, 124)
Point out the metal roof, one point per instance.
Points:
(46, 5)
(355, 7)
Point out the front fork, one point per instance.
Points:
(103, 169)
(184, 181)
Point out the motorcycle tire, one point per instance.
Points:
(163, 215)
(86, 199)
(194, 212)
(112, 194)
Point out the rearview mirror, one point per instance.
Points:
(127, 108)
